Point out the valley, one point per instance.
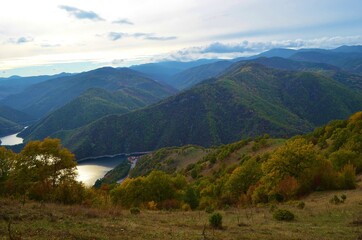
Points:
(169, 145)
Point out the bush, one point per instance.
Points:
(343, 197)
(335, 200)
(283, 215)
(215, 221)
(135, 211)
(301, 205)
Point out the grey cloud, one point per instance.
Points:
(155, 38)
(123, 21)
(218, 47)
(20, 40)
(248, 48)
(114, 36)
(146, 36)
(81, 14)
(117, 62)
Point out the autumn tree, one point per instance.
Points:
(7, 159)
(243, 177)
(42, 166)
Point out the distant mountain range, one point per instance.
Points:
(16, 84)
(281, 92)
(40, 99)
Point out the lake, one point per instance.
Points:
(11, 140)
(92, 169)
(88, 170)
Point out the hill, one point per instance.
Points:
(349, 79)
(8, 127)
(16, 84)
(195, 75)
(12, 121)
(88, 107)
(43, 98)
(164, 71)
(347, 59)
(250, 100)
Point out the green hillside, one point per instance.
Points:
(90, 106)
(247, 101)
(43, 98)
(12, 121)
(8, 127)
(195, 75)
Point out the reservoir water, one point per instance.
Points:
(11, 140)
(92, 169)
(88, 170)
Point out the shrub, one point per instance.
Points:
(135, 211)
(152, 205)
(335, 200)
(301, 205)
(283, 215)
(343, 197)
(215, 221)
(185, 207)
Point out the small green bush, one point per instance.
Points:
(301, 205)
(283, 215)
(135, 211)
(343, 197)
(215, 221)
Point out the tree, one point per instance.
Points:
(42, 166)
(297, 159)
(191, 198)
(7, 159)
(243, 177)
(292, 159)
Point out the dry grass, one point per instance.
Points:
(318, 220)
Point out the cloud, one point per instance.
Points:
(117, 62)
(81, 14)
(248, 48)
(123, 21)
(48, 45)
(20, 40)
(155, 38)
(114, 36)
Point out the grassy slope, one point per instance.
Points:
(169, 159)
(318, 220)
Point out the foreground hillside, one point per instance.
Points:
(249, 100)
(319, 220)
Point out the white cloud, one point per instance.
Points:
(217, 28)
(81, 14)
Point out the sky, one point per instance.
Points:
(46, 37)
